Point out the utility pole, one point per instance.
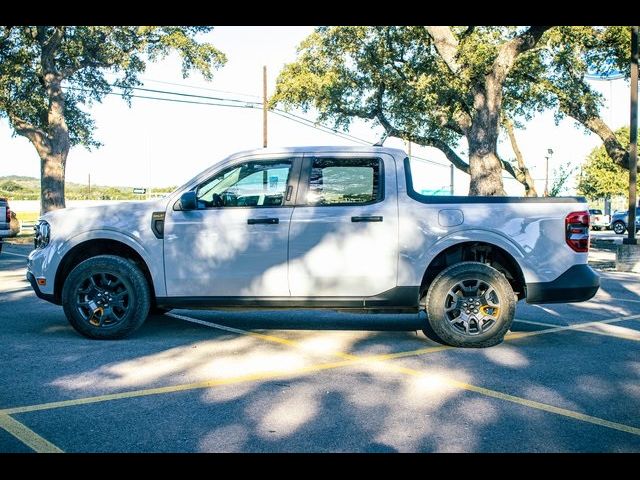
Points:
(409, 149)
(633, 141)
(451, 169)
(264, 106)
(546, 176)
(89, 183)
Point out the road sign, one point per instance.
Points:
(140, 191)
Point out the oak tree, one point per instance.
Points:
(429, 85)
(49, 73)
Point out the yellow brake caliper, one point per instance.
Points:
(95, 320)
(489, 310)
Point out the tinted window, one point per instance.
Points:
(344, 181)
(252, 184)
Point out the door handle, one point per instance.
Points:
(271, 221)
(373, 218)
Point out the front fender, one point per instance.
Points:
(152, 255)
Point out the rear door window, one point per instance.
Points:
(344, 181)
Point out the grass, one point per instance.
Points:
(28, 216)
(26, 235)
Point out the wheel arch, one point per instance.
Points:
(477, 251)
(99, 246)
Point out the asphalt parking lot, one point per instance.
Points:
(567, 379)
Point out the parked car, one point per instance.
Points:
(315, 227)
(619, 221)
(598, 220)
(5, 220)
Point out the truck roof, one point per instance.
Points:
(320, 148)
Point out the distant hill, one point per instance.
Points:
(16, 187)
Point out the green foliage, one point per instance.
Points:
(81, 57)
(561, 175)
(601, 177)
(10, 186)
(570, 54)
(352, 71)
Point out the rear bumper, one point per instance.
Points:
(578, 284)
(44, 296)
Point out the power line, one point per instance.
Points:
(277, 111)
(244, 104)
(189, 95)
(176, 100)
(200, 88)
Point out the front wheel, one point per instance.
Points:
(469, 304)
(619, 227)
(106, 297)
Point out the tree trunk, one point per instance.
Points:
(53, 160)
(484, 166)
(52, 168)
(486, 173)
(524, 176)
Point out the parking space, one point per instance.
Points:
(567, 378)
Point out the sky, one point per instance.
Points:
(164, 143)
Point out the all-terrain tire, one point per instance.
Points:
(121, 283)
(488, 308)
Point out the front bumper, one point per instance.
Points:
(44, 296)
(578, 284)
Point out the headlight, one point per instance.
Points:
(42, 234)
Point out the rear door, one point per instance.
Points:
(343, 236)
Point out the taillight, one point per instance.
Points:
(577, 231)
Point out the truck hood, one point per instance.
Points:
(123, 216)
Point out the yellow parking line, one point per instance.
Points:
(269, 338)
(175, 388)
(349, 359)
(524, 402)
(474, 388)
(27, 436)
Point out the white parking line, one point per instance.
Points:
(14, 254)
(584, 327)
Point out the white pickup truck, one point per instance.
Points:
(319, 227)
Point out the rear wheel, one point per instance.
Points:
(619, 227)
(469, 304)
(106, 297)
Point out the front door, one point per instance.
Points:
(343, 240)
(235, 243)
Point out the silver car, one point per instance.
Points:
(619, 222)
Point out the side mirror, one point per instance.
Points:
(188, 201)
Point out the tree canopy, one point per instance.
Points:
(438, 85)
(431, 85)
(50, 74)
(572, 55)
